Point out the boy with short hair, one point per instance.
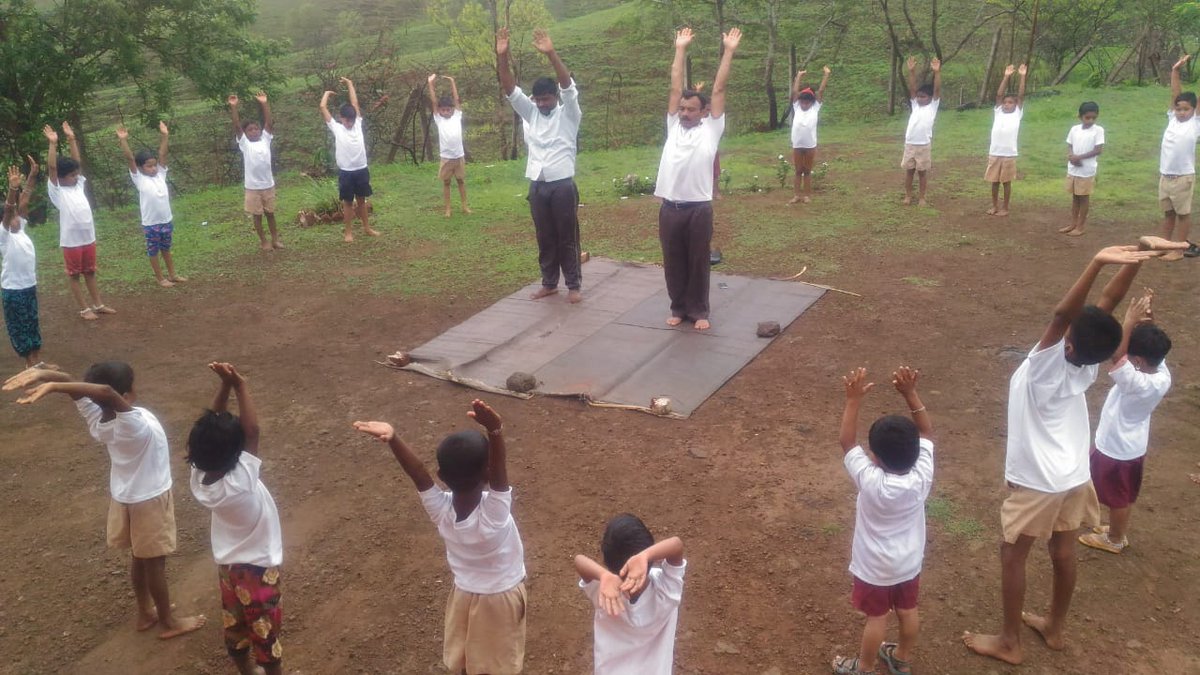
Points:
(1177, 162)
(149, 175)
(1085, 142)
(350, 151)
(18, 268)
(1140, 381)
(76, 227)
(247, 541)
(1046, 465)
(141, 513)
(447, 117)
(1006, 125)
(254, 141)
(918, 137)
(806, 108)
(635, 600)
(485, 613)
(893, 478)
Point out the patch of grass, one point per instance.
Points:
(831, 529)
(944, 512)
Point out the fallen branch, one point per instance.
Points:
(829, 288)
(793, 277)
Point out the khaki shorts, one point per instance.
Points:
(1000, 169)
(452, 168)
(1080, 187)
(259, 202)
(1041, 514)
(147, 528)
(485, 633)
(919, 157)
(1175, 194)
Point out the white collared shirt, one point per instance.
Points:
(17, 258)
(75, 224)
(153, 197)
(551, 139)
(685, 172)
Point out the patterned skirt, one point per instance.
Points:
(21, 319)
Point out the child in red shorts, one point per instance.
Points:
(893, 479)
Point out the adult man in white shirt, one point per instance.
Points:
(1177, 162)
(550, 128)
(685, 180)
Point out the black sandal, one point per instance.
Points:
(895, 666)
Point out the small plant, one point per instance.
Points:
(632, 185)
(783, 171)
(321, 202)
(820, 170)
(726, 178)
(754, 185)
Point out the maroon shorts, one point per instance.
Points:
(80, 259)
(1117, 481)
(879, 600)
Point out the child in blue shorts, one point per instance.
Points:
(149, 175)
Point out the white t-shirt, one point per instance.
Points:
(137, 447)
(256, 161)
(685, 172)
(804, 124)
(1048, 428)
(1178, 157)
(484, 549)
(889, 521)
(1124, 428)
(245, 522)
(75, 224)
(1084, 140)
(1005, 128)
(18, 262)
(920, 122)
(640, 640)
(549, 138)
(449, 135)
(153, 197)
(349, 149)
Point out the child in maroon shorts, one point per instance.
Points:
(893, 479)
(1141, 380)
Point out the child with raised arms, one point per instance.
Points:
(149, 175)
(918, 137)
(254, 141)
(350, 151)
(1177, 162)
(485, 613)
(447, 117)
(806, 107)
(1006, 126)
(18, 268)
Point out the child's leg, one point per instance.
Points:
(910, 627)
(275, 240)
(462, 195)
(362, 215)
(995, 199)
(89, 280)
(908, 185)
(77, 291)
(155, 570)
(1062, 558)
(807, 186)
(347, 220)
(1084, 203)
(1118, 524)
(923, 182)
(258, 229)
(171, 275)
(446, 196)
(1007, 645)
(158, 275)
(873, 633)
(798, 183)
(1007, 196)
(1168, 226)
(146, 617)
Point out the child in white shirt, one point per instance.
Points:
(141, 513)
(893, 480)
(247, 541)
(485, 614)
(1006, 125)
(18, 269)
(1085, 142)
(635, 601)
(1177, 163)
(806, 108)
(1140, 381)
(350, 151)
(447, 116)
(149, 176)
(254, 141)
(918, 137)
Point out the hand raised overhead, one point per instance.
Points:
(541, 41)
(732, 38)
(856, 384)
(683, 37)
(502, 40)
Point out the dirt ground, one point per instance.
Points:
(753, 482)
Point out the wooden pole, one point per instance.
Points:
(892, 82)
(1032, 33)
(991, 63)
(1062, 76)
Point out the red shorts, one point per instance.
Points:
(879, 600)
(80, 259)
(1117, 481)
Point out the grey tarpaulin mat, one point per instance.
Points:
(614, 347)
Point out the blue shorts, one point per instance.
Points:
(353, 184)
(158, 238)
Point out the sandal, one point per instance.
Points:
(895, 666)
(103, 309)
(1102, 542)
(847, 665)
(88, 314)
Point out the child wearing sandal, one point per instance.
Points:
(18, 268)
(893, 478)
(149, 175)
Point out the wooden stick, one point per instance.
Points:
(829, 288)
(793, 277)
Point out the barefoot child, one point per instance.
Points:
(918, 138)
(1177, 163)
(1085, 142)
(149, 174)
(141, 513)
(447, 116)
(806, 107)
(247, 541)
(1006, 125)
(254, 140)
(1046, 465)
(1140, 380)
(18, 268)
(893, 479)
(76, 228)
(354, 178)
(485, 613)
(635, 600)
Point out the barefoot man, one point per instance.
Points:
(685, 183)
(550, 119)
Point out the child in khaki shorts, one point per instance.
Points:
(485, 613)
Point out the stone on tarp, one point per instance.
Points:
(768, 329)
(521, 382)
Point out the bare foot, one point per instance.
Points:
(991, 211)
(703, 324)
(1038, 624)
(371, 232)
(264, 246)
(794, 200)
(466, 209)
(146, 621)
(991, 645)
(806, 199)
(104, 309)
(674, 321)
(1173, 255)
(347, 237)
(907, 200)
(1002, 213)
(574, 296)
(183, 626)
(179, 278)
(278, 245)
(542, 292)
(88, 314)
(1068, 228)
(1075, 233)
(165, 283)
(922, 202)
(447, 213)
